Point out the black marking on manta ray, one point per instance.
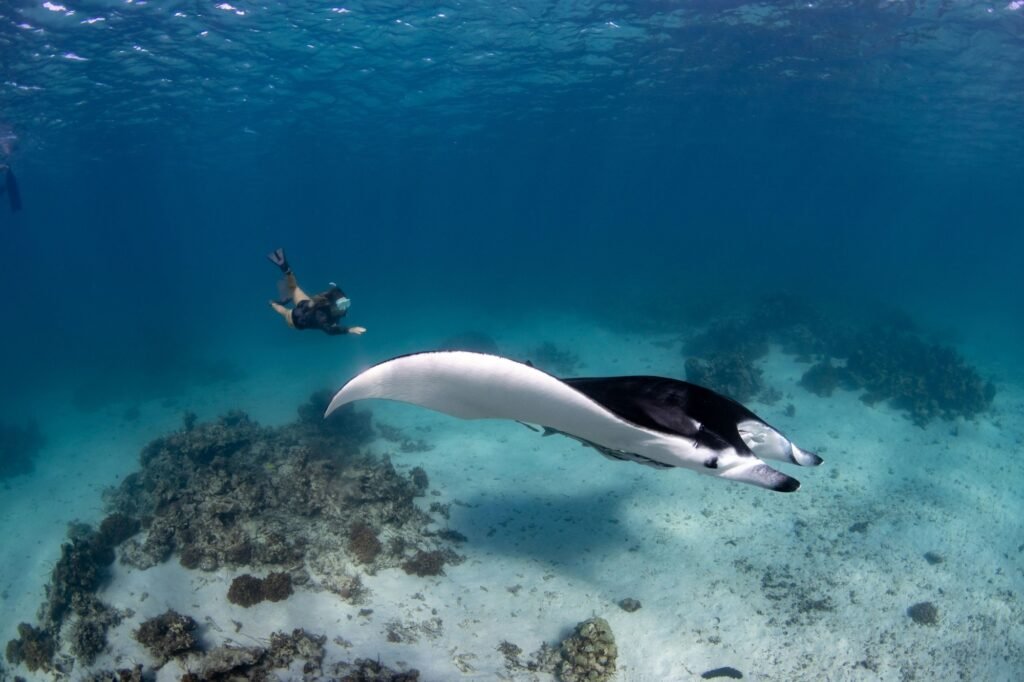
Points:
(671, 406)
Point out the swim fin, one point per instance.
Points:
(13, 195)
(277, 258)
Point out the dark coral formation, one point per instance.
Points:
(730, 337)
(589, 654)
(19, 446)
(87, 634)
(168, 635)
(117, 528)
(34, 648)
(925, 379)
(429, 563)
(393, 434)
(247, 590)
(363, 542)
(70, 602)
(553, 359)
(346, 428)
(924, 613)
(366, 670)
(823, 378)
(231, 493)
(887, 358)
(731, 375)
(629, 604)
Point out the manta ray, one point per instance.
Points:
(656, 421)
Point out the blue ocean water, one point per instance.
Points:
(633, 163)
(550, 154)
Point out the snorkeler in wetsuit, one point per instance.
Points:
(9, 186)
(317, 312)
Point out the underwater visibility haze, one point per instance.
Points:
(812, 208)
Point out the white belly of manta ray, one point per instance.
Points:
(480, 386)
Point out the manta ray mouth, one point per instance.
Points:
(651, 420)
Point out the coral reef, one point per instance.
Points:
(629, 604)
(550, 357)
(120, 675)
(366, 670)
(299, 655)
(19, 446)
(731, 337)
(75, 578)
(429, 563)
(347, 428)
(87, 633)
(924, 613)
(247, 590)
(732, 375)
(363, 542)
(231, 493)
(886, 357)
(823, 378)
(76, 575)
(34, 648)
(168, 635)
(393, 434)
(589, 654)
(924, 379)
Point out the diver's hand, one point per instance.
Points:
(357, 330)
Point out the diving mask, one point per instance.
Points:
(342, 304)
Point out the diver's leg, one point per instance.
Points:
(298, 295)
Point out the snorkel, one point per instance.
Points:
(341, 302)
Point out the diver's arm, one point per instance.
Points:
(338, 330)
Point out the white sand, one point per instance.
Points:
(782, 587)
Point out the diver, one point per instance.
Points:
(9, 186)
(317, 312)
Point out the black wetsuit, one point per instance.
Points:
(318, 313)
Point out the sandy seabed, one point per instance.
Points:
(814, 585)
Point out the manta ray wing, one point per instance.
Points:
(664, 405)
(480, 386)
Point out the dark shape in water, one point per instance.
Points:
(550, 357)
(724, 671)
(924, 613)
(19, 446)
(11, 187)
(629, 604)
